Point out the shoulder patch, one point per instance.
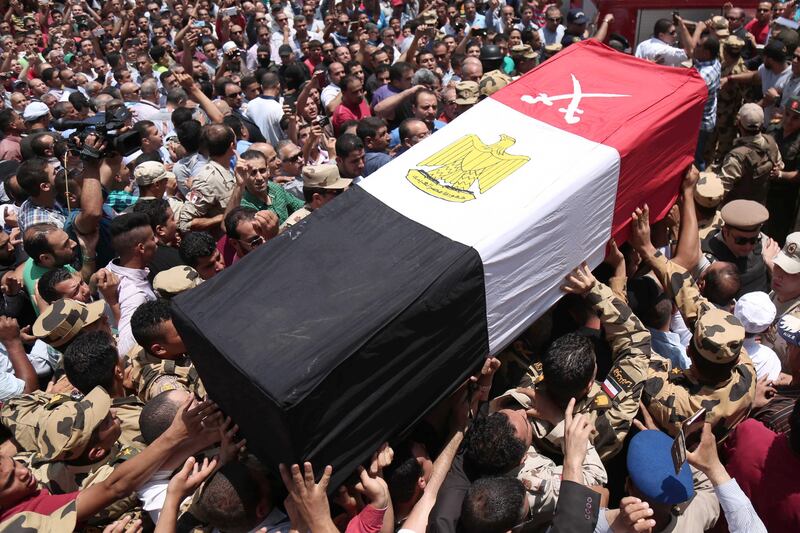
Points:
(600, 402)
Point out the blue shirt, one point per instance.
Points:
(395, 133)
(668, 344)
(711, 72)
(375, 160)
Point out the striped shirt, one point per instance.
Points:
(280, 202)
(711, 72)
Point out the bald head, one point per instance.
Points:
(471, 69)
(721, 283)
(129, 92)
(264, 148)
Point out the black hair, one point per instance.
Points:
(398, 70)
(662, 26)
(722, 284)
(493, 505)
(91, 360)
(369, 126)
(711, 45)
(649, 302)
(235, 124)
(568, 366)
(491, 447)
(196, 245)
(31, 174)
(38, 145)
(347, 143)
(403, 474)
(189, 133)
(230, 499)
(146, 321)
(35, 242)
(124, 231)
(47, 284)
(155, 209)
(404, 129)
(234, 217)
(6, 118)
(157, 415)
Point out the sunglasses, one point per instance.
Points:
(741, 241)
(559, 19)
(233, 95)
(258, 240)
(295, 158)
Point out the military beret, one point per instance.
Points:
(718, 336)
(67, 430)
(62, 321)
(746, 215)
(651, 469)
(709, 190)
(173, 281)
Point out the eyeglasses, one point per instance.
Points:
(741, 241)
(295, 158)
(237, 32)
(555, 19)
(258, 240)
(732, 19)
(233, 95)
(674, 32)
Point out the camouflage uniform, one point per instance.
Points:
(152, 376)
(63, 520)
(128, 410)
(673, 395)
(745, 171)
(729, 100)
(295, 217)
(173, 281)
(22, 416)
(211, 190)
(707, 226)
(612, 405)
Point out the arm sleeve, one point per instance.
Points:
(731, 172)
(678, 284)
(292, 201)
(739, 511)
(630, 345)
(196, 206)
(577, 509)
(369, 520)
(10, 386)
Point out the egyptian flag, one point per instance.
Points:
(346, 330)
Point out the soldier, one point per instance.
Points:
(491, 82)
(20, 495)
(172, 282)
(60, 323)
(722, 378)
(321, 184)
(92, 361)
(524, 58)
(746, 169)
(205, 203)
(784, 187)
(729, 100)
(159, 362)
(707, 197)
(785, 292)
(741, 242)
(466, 95)
(569, 369)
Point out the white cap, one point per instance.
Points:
(228, 46)
(34, 110)
(755, 311)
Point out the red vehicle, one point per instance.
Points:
(634, 19)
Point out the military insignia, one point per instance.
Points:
(461, 164)
(617, 381)
(791, 248)
(600, 402)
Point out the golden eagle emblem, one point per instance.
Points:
(461, 164)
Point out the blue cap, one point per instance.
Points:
(652, 471)
(576, 16)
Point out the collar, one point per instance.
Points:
(135, 274)
(267, 97)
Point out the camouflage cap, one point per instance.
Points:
(789, 256)
(59, 323)
(709, 190)
(325, 176)
(467, 92)
(746, 215)
(493, 81)
(789, 327)
(173, 281)
(718, 336)
(733, 43)
(524, 51)
(720, 26)
(552, 49)
(429, 18)
(66, 430)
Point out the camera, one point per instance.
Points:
(106, 126)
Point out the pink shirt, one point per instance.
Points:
(369, 520)
(343, 113)
(9, 149)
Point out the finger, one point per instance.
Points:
(297, 477)
(309, 474)
(326, 477)
(640, 513)
(286, 476)
(188, 465)
(638, 425)
(568, 413)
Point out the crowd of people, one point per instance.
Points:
(147, 145)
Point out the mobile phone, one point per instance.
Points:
(229, 11)
(199, 24)
(98, 32)
(688, 438)
(480, 32)
(354, 24)
(322, 78)
(322, 121)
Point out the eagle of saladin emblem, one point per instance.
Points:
(462, 163)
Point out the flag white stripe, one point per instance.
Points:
(532, 227)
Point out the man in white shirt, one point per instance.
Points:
(266, 111)
(553, 31)
(660, 47)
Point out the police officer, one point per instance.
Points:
(722, 378)
(746, 169)
(612, 405)
(785, 292)
(741, 242)
(784, 187)
(707, 196)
